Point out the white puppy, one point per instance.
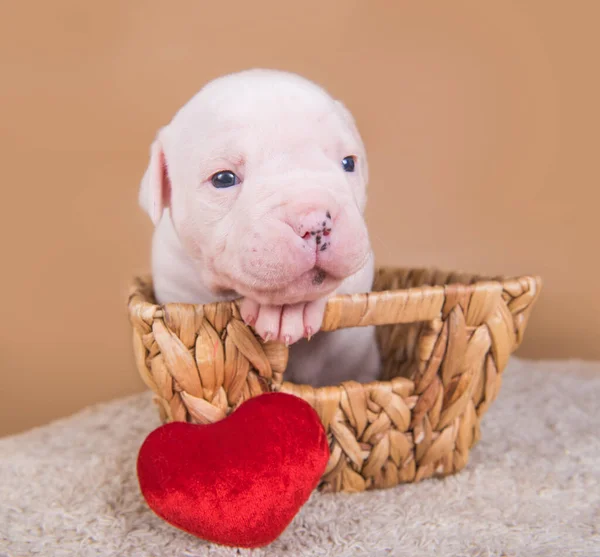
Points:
(257, 188)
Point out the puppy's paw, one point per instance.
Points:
(287, 323)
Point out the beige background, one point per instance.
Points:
(481, 120)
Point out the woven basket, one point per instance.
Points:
(445, 339)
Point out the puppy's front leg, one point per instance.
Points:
(287, 323)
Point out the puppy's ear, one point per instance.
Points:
(351, 123)
(155, 187)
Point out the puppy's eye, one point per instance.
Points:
(224, 179)
(348, 164)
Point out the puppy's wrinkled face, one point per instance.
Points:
(265, 178)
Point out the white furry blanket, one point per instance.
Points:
(532, 487)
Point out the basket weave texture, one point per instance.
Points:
(444, 338)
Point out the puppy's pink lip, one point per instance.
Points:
(302, 289)
(331, 271)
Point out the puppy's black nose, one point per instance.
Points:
(315, 224)
(316, 228)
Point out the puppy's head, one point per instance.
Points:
(264, 175)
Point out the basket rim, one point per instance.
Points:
(137, 301)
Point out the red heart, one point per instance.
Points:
(239, 481)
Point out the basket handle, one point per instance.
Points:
(383, 308)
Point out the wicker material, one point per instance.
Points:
(445, 340)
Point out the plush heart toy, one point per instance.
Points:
(239, 481)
